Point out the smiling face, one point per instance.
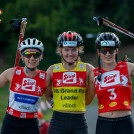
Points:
(31, 57)
(108, 55)
(70, 54)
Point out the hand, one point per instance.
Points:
(23, 26)
(125, 59)
(51, 100)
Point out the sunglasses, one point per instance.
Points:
(104, 50)
(30, 54)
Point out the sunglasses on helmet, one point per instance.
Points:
(30, 54)
(104, 50)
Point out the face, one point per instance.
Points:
(31, 57)
(107, 55)
(70, 54)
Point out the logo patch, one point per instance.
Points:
(81, 66)
(26, 99)
(23, 115)
(110, 78)
(28, 84)
(113, 104)
(18, 72)
(42, 76)
(69, 77)
(57, 67)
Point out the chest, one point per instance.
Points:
(31, 86)
(72, 78)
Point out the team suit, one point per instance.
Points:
(69, 96)
(114, 93)
(25, 94)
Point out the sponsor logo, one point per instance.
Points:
(69, 77)
(108, 43)
(101, 106)
(57, 67)
(81, 66)
(18, 72)
(113, 104)
(17, 86)
(28, 84)
(69, 43)
(26, 98)
(11, 111)
(23, 115)
(126, 103)
(42, 76)
(24, 107)
(110, 78)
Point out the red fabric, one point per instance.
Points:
(44, 128)
(25, 93)
(115, 88)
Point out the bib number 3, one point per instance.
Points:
(112, 94)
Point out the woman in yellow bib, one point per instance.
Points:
(69, 80)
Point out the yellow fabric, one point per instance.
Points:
(69, 96)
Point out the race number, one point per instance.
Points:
(113, 94)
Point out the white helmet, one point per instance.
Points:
(31, 43)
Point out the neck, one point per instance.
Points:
(108, 67)
(30, 73)
(69, 67)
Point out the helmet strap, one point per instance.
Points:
(99, 63)
(27, 68)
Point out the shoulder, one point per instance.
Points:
(9, 71)
(8, 74)
(50, 70)
(89, 67)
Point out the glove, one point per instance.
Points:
(51, 101)
(125, 59)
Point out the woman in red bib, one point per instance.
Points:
(27, 85)
(69, 87)
(113, 84)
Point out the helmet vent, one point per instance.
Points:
(65, 38)
(34, 41)
(39, 43)
(74, 38)
(70, 38)
(28, 41)
(24, 43)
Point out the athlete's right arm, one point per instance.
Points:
(90, 92)
(48, 91)
(6, 76)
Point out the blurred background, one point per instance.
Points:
(49, 18)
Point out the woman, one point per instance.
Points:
(69, 87)
(27, 85)
(113, 84)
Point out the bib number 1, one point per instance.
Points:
(112, 94)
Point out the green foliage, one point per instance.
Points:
(48, 19)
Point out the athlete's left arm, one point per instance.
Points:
(90, 91)
(130, 69)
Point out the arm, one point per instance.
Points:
(131, 72)
(90, 92)
(130, 69)
(48, 92)
(6, 76)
